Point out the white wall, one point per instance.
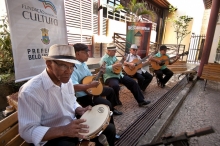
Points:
(2, 8)
(114, 26)
(192, 8)
(205, 21)
(215, 42)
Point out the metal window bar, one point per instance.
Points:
(217, 56)
(195, 48)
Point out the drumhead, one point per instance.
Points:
(95, 118)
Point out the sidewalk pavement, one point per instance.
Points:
(199, 110)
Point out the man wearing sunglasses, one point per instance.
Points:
(144, 78)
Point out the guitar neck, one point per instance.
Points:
(100, 72)
(140, 61)
(178, 54)
(98, 76)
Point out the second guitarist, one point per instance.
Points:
(80, 72)
(144, 78)
(163, 70)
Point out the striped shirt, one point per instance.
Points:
(42, 104)
(131, 57)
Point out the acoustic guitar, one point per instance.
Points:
(164, 60)
(95, 90)
(117, 70)
(137, 65)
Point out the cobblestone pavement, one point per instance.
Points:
(200, 109)
(131, 110)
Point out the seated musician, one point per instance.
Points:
(144, 78)
(80, 72)
(163, 70)
(112, 79)
(47, 105)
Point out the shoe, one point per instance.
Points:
(144, 103)
(162, 85)
(143, 92)
(116, 112)
(117, 137)
(119, 102)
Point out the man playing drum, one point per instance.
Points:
(47, 106)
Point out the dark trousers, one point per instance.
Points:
(109, 132)
(144, 79)
(110, 96)
(168, 74)
(129, 83)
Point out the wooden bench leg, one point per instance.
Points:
(205, 84)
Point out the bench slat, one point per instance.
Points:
(178, 67)
(16, 141)
(9, 121)
(211, 72)
(8, 135)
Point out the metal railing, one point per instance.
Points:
(196, 48)
(123, 16)
(120, 42)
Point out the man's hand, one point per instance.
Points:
(102, 70)
(80, 110)
(131, 65)
(74, 128)
(94, 84)
(158, 61)
(117, 65)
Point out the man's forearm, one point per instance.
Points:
(81, 87)
(53, 132)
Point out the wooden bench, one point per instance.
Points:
(180, 67)
(9, 132)
(211, 71)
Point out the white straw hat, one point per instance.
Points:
(111, 46)
(134, 46)
(64, 53)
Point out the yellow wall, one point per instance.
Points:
(185, 7)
